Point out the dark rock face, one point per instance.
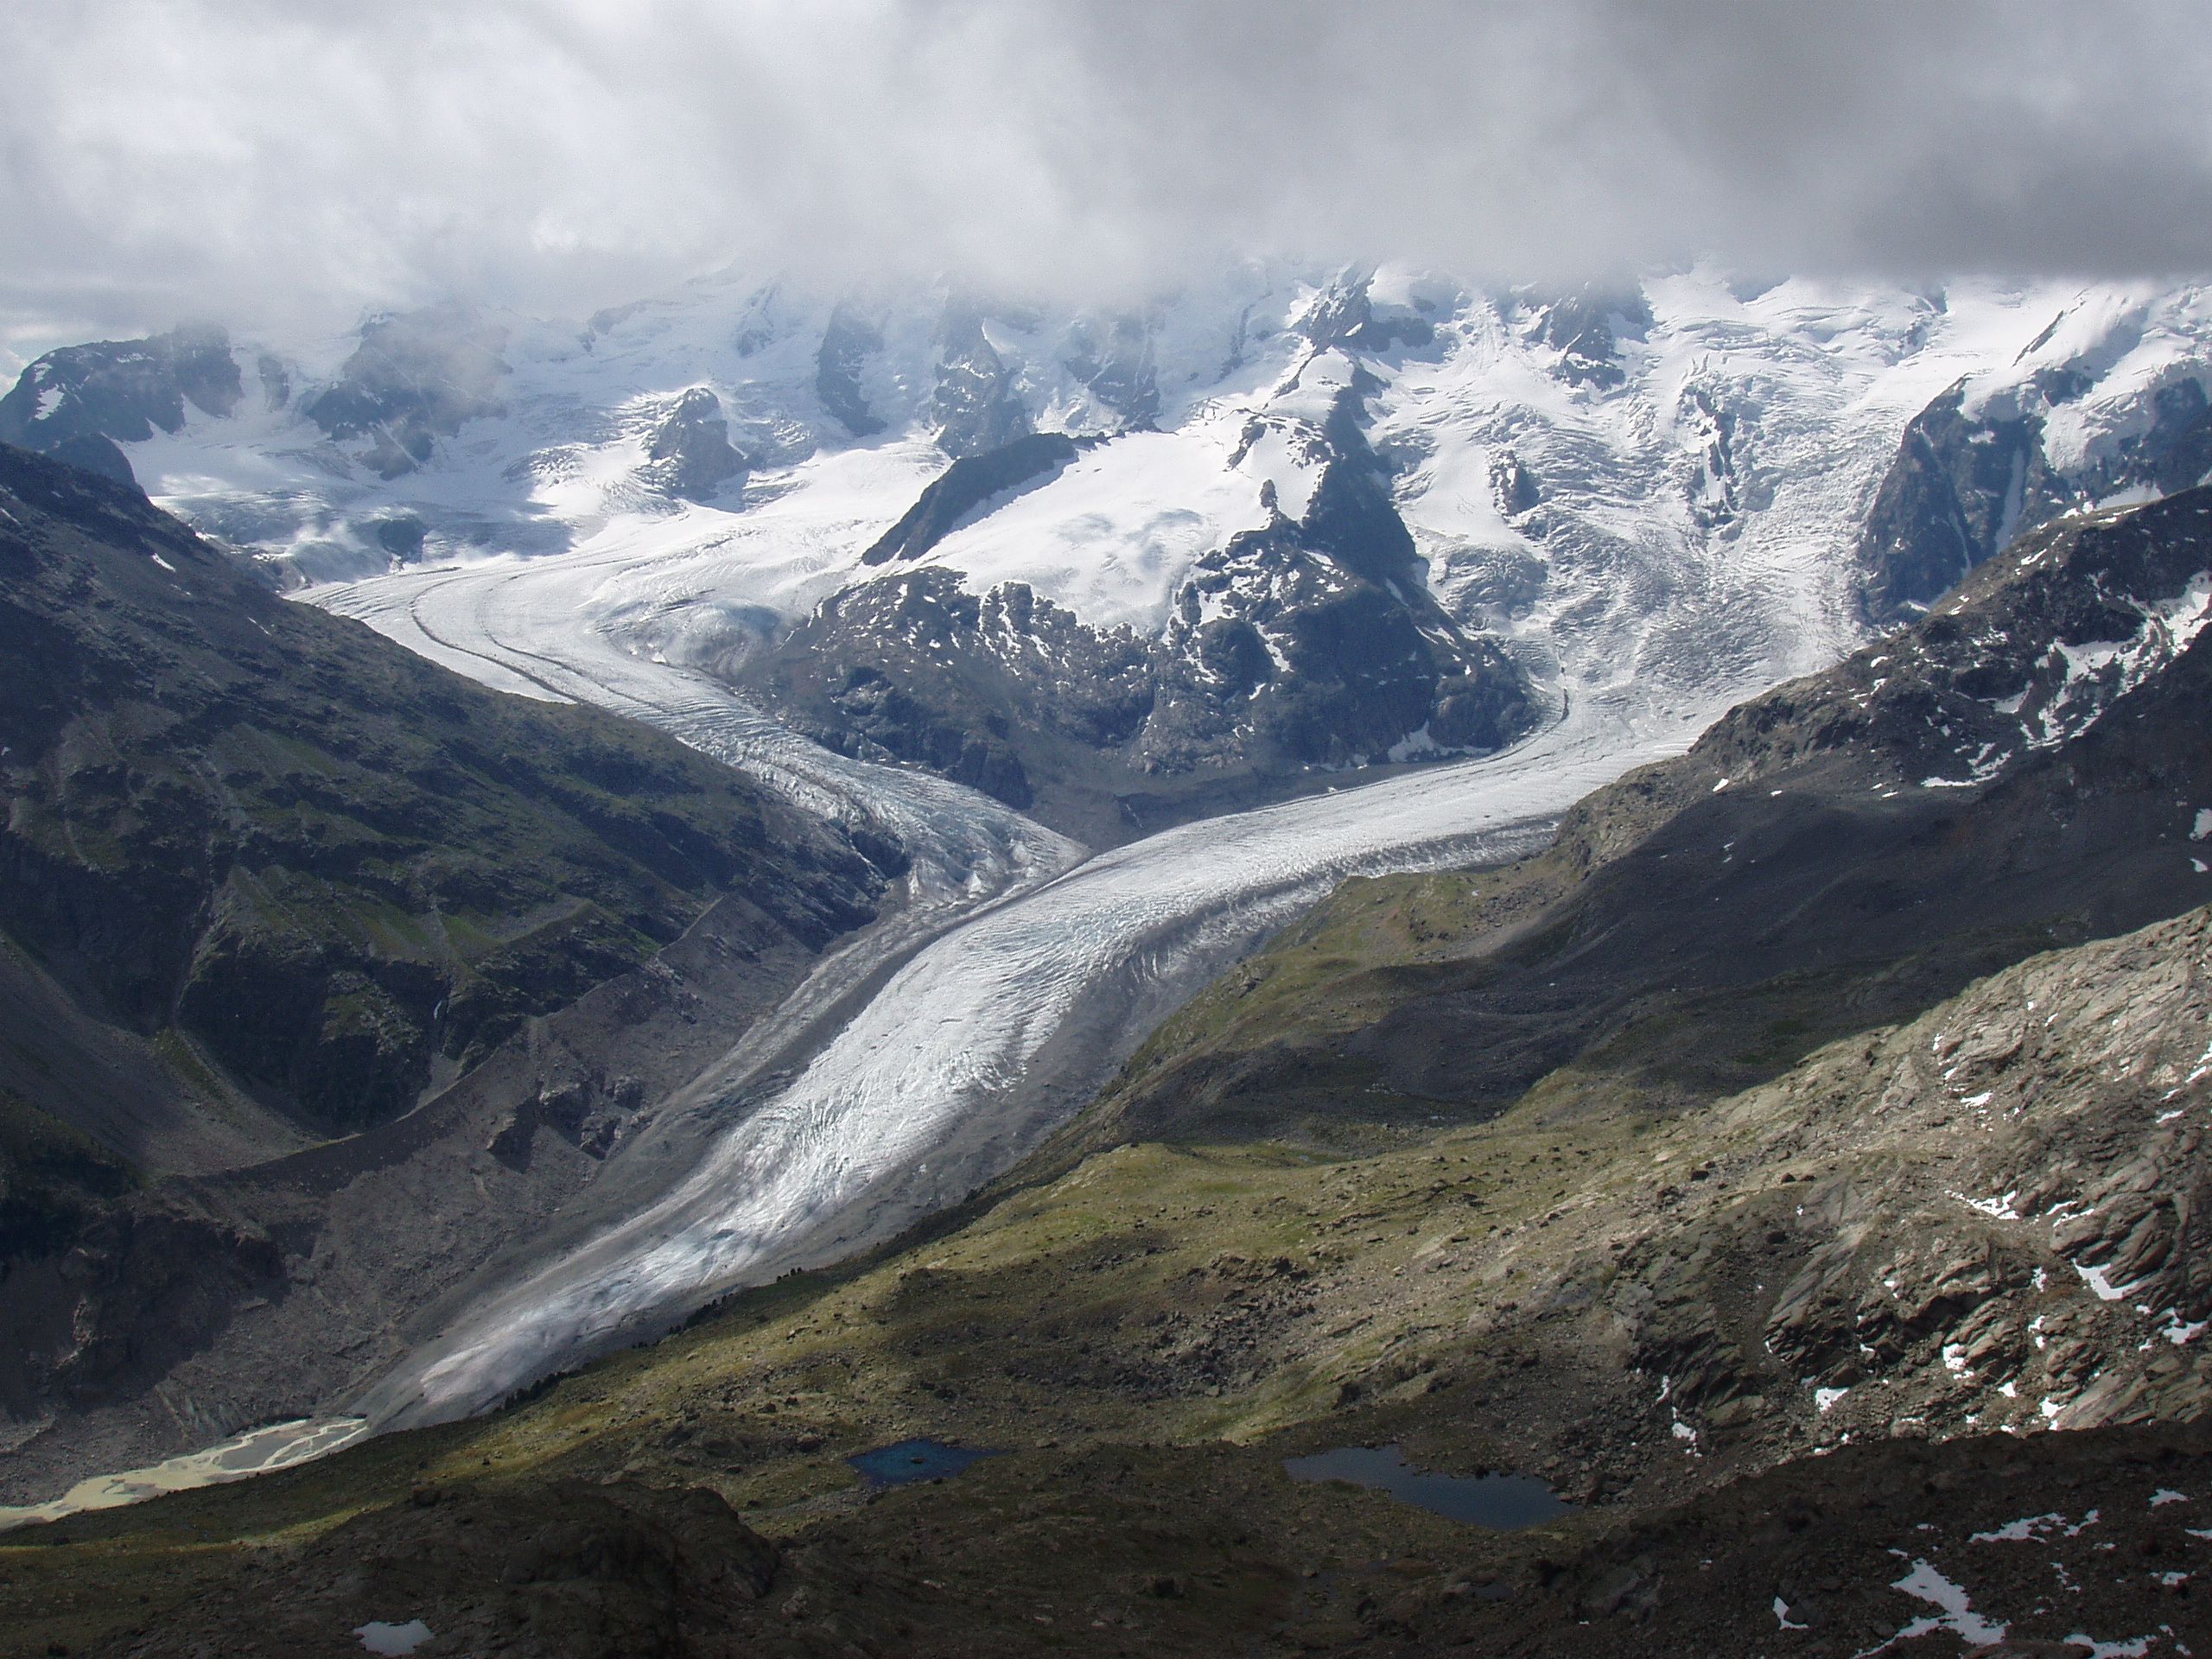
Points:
(2038, 647)
(76, 403)
(402, 534)
(977, 406)
(1513, 485)
(117, 1291)
(1716, 491)
(1343, 313)
(847, 344)
(1957, 491)
(96, 453)
(561, 1569)
(1278, 653)
(967, 485)
(413, 379)
(1961, 486)
(912, 667)
(1586, 328)
(1317, 643)
(690, 454)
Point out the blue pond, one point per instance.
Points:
(909, 1460)
(1503, 1502)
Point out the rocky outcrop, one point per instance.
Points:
(2029, 1253)
(915, 668)
(2036, 648)
(414, 377)
(1957, 491)
(969, 486)
(1316, 644)
(566, 1568)
(1585, 328)
(688, 453)
(847, 344)
(1112, 358)
(77, 402)
(1343, 313)
(1967, 480)
(977, 406)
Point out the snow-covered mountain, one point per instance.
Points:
(1279, 524)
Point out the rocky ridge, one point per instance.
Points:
(1302, 645)
(1998, 455)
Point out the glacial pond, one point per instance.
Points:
(904, 1461)
(1503, 1501)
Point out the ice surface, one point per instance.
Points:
(988, 1036)
(1113, 534)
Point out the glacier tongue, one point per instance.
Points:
(995, 1030)
(989, 1036)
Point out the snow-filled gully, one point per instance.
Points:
(1037, 970)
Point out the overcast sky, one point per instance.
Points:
(281, 164)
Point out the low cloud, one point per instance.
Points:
(285, 163)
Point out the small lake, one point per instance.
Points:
(1503, 1501)
(904, 1461)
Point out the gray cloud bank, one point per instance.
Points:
(281, 162)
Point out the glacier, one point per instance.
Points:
(1651, 497)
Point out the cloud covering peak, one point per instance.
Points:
(275, 162)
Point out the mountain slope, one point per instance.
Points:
(327, 862)
(2023, 766)
(266, 882)
(1774, 1335)
(2107, 403)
